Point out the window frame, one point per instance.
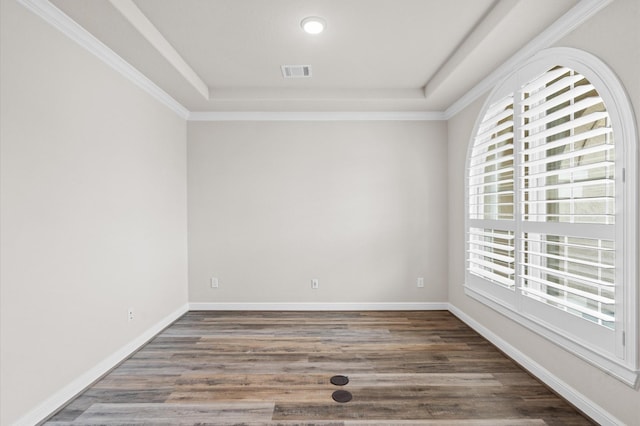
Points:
(622, 361)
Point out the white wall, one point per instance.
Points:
(93, 217)
(358, 205)
(93, 214)
(614, 36)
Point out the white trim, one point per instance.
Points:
(568, 22)
(64, 395)
(587, 406)
(618, 371)
(145, 27)
(60, 398)
(622, 360)
(59, 20)
(317, 116)
(561, 27)
(479, 33)
(365, 306)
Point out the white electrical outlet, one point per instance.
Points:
(315, 283)
(214, 282)
(420, 282)
(130, 314)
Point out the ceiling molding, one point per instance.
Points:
(568, 22)
(561, 27)
(474, 38)
(59, 20)
(317, 116)
(145, 27)
(316, 93)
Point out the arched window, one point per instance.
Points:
(551, 207)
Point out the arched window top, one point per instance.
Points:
(594, 70)
(551, 206)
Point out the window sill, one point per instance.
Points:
(612, 367)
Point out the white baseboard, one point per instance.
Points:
(583, 403)
(398, 306)
(64, 395)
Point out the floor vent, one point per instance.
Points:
(342, 396)
(296, 71)
(339, 380)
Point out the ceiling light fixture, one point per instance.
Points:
(313, 24)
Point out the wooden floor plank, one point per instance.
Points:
(423, 379)
(473, 422)
(146, 413)
(269, 368)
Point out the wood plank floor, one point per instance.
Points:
(268, 368)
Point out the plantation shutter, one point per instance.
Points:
(567, 197)
(551, 208)
(490, 248)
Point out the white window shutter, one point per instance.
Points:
(567, 176)
(491, 164)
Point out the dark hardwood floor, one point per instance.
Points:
(215, 368)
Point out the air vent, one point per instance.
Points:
(296, 71)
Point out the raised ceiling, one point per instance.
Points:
(375, 55)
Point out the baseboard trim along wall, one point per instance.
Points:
(397, 306)
(64, 395)
(591, 409)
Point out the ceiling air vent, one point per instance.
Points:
(296, 71)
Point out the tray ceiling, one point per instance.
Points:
(375, 55)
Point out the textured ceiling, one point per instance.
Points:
(375, 55)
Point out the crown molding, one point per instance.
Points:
(59, 20)
(132, 13)
(488, 24)
(561, 27)
(568, 22)
(317, 116)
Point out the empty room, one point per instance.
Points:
(319, 212)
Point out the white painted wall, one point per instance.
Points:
(358, 205)
(614, 36)
(93, 212)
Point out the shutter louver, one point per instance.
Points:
(551, 197)
(491, 255)
(568, 152)
(491, 252)
(555, 138)
(573, 274)
(567, 176)
(491, 165)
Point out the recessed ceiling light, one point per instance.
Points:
(313, 24)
